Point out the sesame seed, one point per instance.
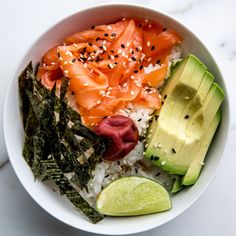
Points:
(104, 48)
(149, 26)
(120, 51)
(123, 54)
(186, 117)
(173, 150)
(140, 25)
(141, 67)
(125, 85)
(97, 38)
(135, 71)
(116, 56)
(108, 93)
(60, 58)
(132, 77)
(132, 93)
(126, 56)
(102, 92)
(163, 163)
(112, 57)
(85, 84)
(140, 48)
(68, 53)
(98, 102)
(158, 61)
(85, 65)
(124, 63)
(104, 42)
(71, 63)
(106, 35)
(74, 44)
(124, 18)
(44, 64)
(148, 43)
(109, 89)
(66, 71)
(53, 63)
(146, 20)
(109, 27)
(91, 71)
(92, 27)
(186, 98)
(113, 34)
(133, 58)
(122, 45)
(164, 29)
(159, 96)
(128, 44)
(73, 60)
(65, 62)
(110, 66)
(152, 48)
(149, 59)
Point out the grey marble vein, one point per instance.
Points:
(4, 163)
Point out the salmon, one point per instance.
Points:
(105, 66)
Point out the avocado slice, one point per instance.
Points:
(196, 165)
(172, 137)
(177, 186)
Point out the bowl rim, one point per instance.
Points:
(97, 6)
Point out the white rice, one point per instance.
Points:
(134, 163)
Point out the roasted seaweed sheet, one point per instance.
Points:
(52, 147)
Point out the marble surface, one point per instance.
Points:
(21, 22)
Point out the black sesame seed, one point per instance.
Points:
(113, 34)
(133, 58)
(106, 176)
(136, 49)
(158, 61)
(157, 174)
(186, 117)
(118, 162)
(152, 48)
(152, 158)
(148, 90)
(72, 92)
(132, 51)
(90, 44)
(115, 63)
(135, 71)
(101, 47)
(156, 117)
(112, 51)
(150, 121)
(116, 56)
(139, 119)
(92, 27)
(140, 26)
(106, 35)
(165, 96)
(73, 60)
(173, 150)
(58, 54)
(156, 158)
(104, 117)
(109, 66)
(97, 38)
(141, 67)
(164, 29)
(122, 45)
(162, 103)
(136, 171)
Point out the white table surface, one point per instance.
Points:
(21, 22)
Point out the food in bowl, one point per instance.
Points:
(114, 104)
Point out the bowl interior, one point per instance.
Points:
(55, 204)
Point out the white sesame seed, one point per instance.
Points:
(146, 145)
(146, 20)
(163, 163)
(144, 153)
(109, 27)
(44, 64)
(92, 124)
(65, 62)
(98, 102)
(108, 93)
(186, 98)
(149, 26)
(149, 59)
(124, 18)
(132, 93)
(112, 57)
(119, 87)
(123, 54)
(119, 51)
(102, 92)
(109, 89)
(125, 85)
(85, 84)
(70, 62)
(74, 44)
(91, 71)
(159, 96)
(60, 58)
(126, 56)
(85, 65)
(159, 145)
(148, 43)
(124, 63)
(132, 77)
(130, 59)
(104, 48)
(104, 42)
(127, 44)
(138, 85)
(131, 50)
(66, 71)
(68, 53)
(155, 145)
(111, 66)
(53, 63)
(140, 48)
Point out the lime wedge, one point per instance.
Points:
(130, 196)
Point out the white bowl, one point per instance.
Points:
(57, 205)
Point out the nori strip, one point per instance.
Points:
(52, 171)
(25, 83)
